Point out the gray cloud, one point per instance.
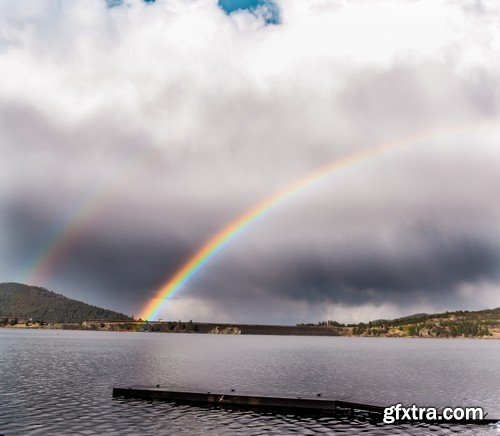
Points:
(159, 125)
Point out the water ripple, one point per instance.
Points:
(60, 382)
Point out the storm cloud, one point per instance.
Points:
(156, 124)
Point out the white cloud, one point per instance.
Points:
(371, 312)
(224, 110)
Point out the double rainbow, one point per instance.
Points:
(52, 253)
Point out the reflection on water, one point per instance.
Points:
(60, 382)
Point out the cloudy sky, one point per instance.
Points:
(144, 128)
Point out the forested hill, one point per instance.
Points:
(480, 323)
(23, 301)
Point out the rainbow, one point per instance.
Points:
(225, 236)
(57, 244)
(52, 252)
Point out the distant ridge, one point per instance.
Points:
(460, 323)
(462, 314)
(24, 301)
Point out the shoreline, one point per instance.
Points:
(230, 329)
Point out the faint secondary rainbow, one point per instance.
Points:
(60, 241)
(220, 240)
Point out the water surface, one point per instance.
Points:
(60, 382)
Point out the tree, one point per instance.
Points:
(191, 327)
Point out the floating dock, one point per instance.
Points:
(295, 405)
(317, 406)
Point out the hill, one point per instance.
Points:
(462, 315)
(23, 301)
(461, 323)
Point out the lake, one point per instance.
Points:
(60, 382)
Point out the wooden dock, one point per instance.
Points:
(295, 405)
(317, 406)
